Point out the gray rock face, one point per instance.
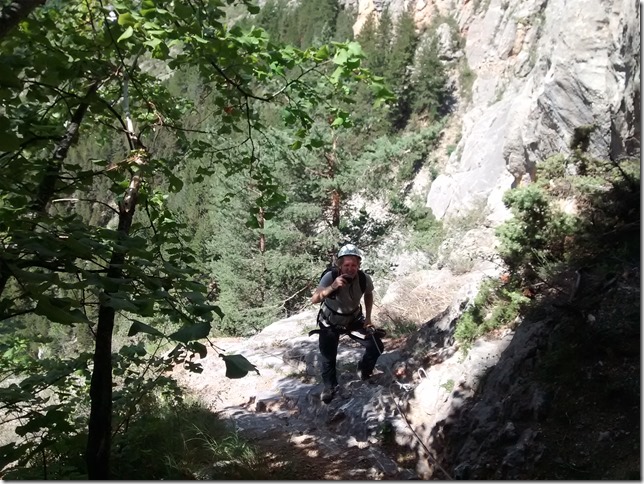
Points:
(543, 69)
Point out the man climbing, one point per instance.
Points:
(340, 291)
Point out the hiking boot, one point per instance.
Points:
(363, 374)
(327, 394)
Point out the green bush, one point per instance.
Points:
(541, 241)
(496, 305)
(427, 232)
(541, 237)
(537, 231)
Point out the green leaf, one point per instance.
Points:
(175, 183)
(126, 19)
(322, 53)
(237, 366)
(335, 77)
(194, 296)
(139, 327)
(119, 303)
(152, 42)
(203, 309)
(57, 310)
(126, 35)
(192, 332)
(145, 306)
(252, 222)
(355, 49)
(339, 121)
(341, 57)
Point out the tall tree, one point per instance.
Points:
(370, 123)
(398, 71)
(431, 95)
(315, 21)
(344, 25)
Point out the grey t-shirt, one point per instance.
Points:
(345, 300)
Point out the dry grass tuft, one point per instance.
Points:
(417, 299)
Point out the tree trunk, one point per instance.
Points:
(99, 439)
(335, 194)
(262, 236)
(47, 186)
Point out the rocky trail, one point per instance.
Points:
(279, 411)
(545, 400)
(365, 433)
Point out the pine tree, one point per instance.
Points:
(367, 39)
(274, 17)
(398, 71)
(431, 94)
(315, 21)
(380, 58)
(344, 25)
(370, 123)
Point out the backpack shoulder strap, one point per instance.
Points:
(363, 281)
(332, 269)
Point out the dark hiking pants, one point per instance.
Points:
(329, 339)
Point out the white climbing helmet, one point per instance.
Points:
(349, 249)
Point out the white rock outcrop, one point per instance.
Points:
(542, 68)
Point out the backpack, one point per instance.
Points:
(335, 272)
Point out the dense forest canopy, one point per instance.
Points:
(178, 170)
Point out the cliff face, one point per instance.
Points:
(541, 69)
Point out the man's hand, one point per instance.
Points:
(339, 282)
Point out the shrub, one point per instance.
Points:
(496, 305)
(604, 195)
(537, 231)
(427, 231)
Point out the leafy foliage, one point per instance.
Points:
(595, 202)
(431, 95)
